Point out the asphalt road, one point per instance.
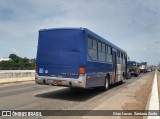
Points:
(30, 96)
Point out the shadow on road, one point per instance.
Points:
(71, 94)
(75, 94)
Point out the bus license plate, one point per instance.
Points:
(55, 82)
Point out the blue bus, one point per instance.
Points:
(77, 57)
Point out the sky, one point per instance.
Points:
(132, 25)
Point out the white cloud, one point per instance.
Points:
(131, 24)
(15, 51)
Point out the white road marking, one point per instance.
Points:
(154, 101)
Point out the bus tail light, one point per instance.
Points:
(82, 70)
(36, 68)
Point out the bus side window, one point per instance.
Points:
(109, 54)
(94, 44)
(121, 58)
(92, 48)
(109, 50)
(103, 48)
(90, 43)
(101, 52)
(99, 47)
(124, 60)
(106, 53)
(106, 49)
(118, 53)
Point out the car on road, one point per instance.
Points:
(149, 70)
(143, 68)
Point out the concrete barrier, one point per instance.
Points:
(16, 73)
(8, 76)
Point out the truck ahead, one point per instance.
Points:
(133, 68)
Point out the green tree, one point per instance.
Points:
(13, 56)
(17, 62)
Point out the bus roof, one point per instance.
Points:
(89, 32)
(132, 62)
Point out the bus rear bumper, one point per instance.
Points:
(59, 81)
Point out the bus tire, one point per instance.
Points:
(121, 82)
(136, 75)
(73, 88)
(106, 86)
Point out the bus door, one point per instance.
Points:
(114, 72)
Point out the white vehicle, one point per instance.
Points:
(143, 68)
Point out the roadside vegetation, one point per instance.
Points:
(17, 63)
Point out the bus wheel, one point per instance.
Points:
(121, 82)
(136, 75)
(106, 86)
(73, 88)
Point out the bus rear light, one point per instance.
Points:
(36, 68)
(82, 70)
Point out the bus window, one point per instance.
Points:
(92, 48)
(101, 52)
(103, 48)
(106, 49)
(99, 47)
(89, 43)
(109, 50)
(95, 44)
(124, 60)
(93, 54)
(122, 55)
(108, 54)
(118, 57)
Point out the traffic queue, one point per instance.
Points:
(135, 69)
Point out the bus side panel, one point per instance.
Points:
(96, 73)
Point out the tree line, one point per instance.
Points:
(17, 63)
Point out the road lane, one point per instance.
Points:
(18, 89)
(40, 97)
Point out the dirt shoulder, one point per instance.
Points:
(133, 96)
(141, 97)
(158, 81)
